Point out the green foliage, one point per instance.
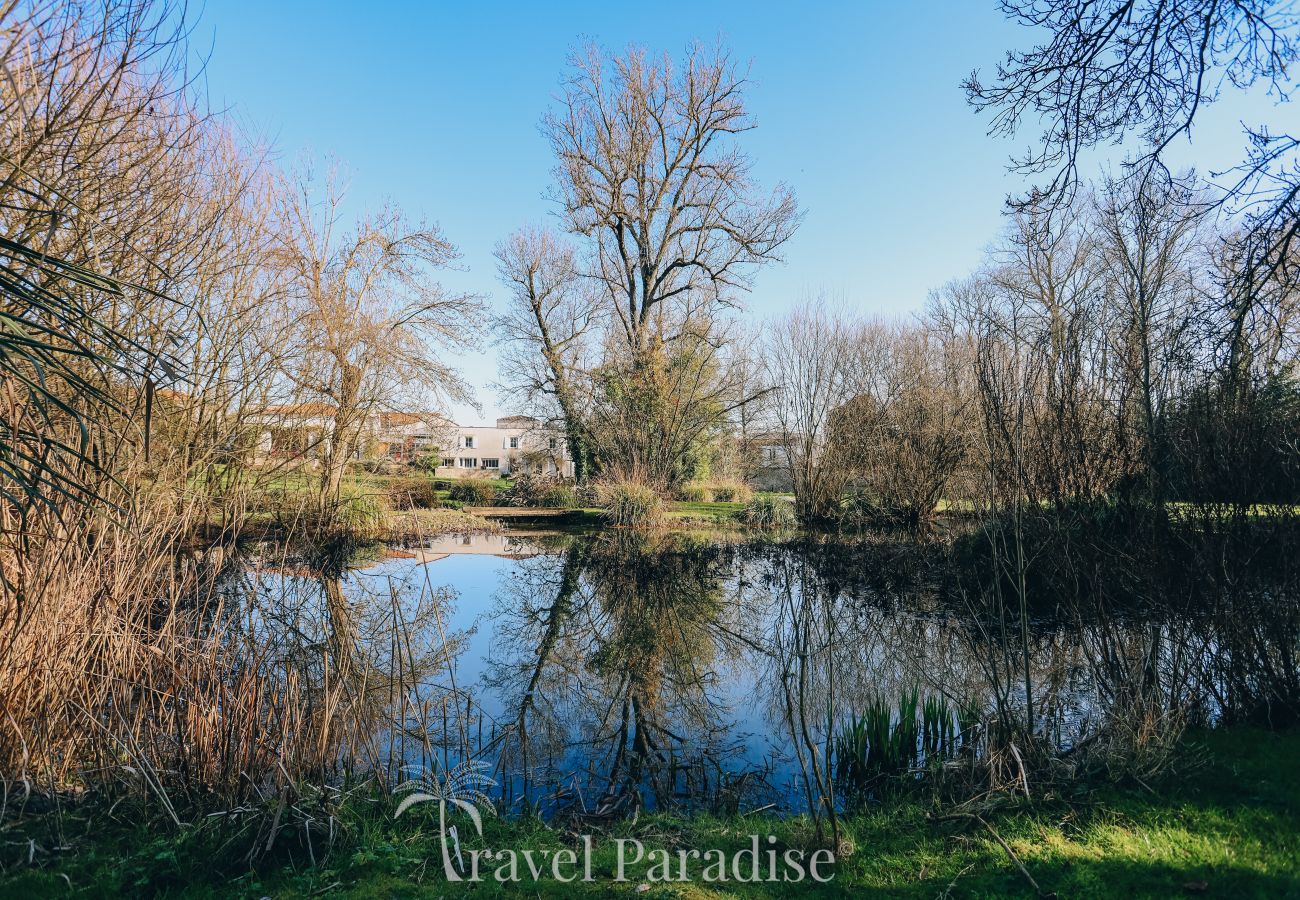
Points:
(659, 412)
(371, 466)
(427, 462)
(938, 726)
(473, 491)
(57, 360)
(540, 491)
(886, 740)
(767, 511)
(630, 503)
(559, 496)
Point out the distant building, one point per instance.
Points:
(513, 445)
(769, 458)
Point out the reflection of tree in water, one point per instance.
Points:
(361, 662)
(628, 664)
(629, 632)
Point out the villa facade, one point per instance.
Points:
(513, 445)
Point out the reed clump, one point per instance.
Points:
(140, 670)
(887, 740)
(630, 502)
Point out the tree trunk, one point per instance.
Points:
(341, 437)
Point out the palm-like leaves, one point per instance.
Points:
(56, 361)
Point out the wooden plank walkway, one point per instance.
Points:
(518, 512)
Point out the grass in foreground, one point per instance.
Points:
(1227, 827)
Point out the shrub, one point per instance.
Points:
(427, 462)
(541, 491)
(474, 491)
(695, 492)
(631, 503)
(559, 496)
(362, 513)
(766, 511)
(413, 493)
(732, 492)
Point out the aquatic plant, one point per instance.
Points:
(938, 726)
(887, 739)
(767, 511)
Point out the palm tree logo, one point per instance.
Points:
(463, 787)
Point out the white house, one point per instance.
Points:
(513, 445)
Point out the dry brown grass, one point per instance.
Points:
(135, 670)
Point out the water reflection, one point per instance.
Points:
(603, 674)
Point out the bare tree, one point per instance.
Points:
(545, 332)
(371, 319)
(1151, 246)
(906, 431)
(810, 359)
(650, 175)
(672, 229)
(1112, 69)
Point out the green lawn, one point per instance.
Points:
(720, 511)
(1225, 826)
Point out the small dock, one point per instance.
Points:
(518, 512)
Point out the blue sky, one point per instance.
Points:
(436, 106)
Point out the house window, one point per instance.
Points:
(491, 463)
(514, 443)
(554, 443)
(771, 453)
(469, 462)
(449, 461)
(469, 441)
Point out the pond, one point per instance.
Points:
(607, 673)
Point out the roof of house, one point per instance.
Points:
(395, 419)
(310, 409)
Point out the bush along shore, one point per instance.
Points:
(1219, 822)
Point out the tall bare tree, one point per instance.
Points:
(1151, 245)
(546, 330)
(371, 318)
(811, 362)
(650, 175)
(652, 180)
(1109, 70)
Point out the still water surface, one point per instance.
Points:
(606, 673)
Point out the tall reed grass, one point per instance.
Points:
(139, 671)
(630, 502)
